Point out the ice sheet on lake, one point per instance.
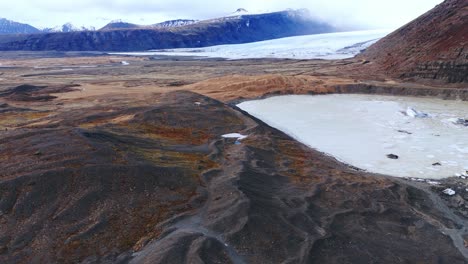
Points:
(234, 135)
(320, 46)
(362, 130)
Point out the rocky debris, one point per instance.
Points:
(164, 187)
(393, 156)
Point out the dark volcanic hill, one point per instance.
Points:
(119, 25)
(434, 46)
(11, 27)
(227, 30)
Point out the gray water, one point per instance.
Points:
(362, 130)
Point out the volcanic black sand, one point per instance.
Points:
(126, 164)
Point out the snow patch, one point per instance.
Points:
(449, 192)
(234, 135)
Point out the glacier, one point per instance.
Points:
(330, 46)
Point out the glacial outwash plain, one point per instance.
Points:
(124, 158)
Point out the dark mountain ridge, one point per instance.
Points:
(227, 30)
(433, 46)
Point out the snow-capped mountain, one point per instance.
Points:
(12, 27)
(119, 24)
(175, 23)
(234, 29)
(67, 27)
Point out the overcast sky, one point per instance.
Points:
(351, 13)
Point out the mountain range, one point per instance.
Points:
(121, 36)
(12, 27)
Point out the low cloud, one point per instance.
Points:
(343, 13)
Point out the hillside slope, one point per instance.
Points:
(433, 46)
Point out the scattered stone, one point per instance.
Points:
(449, 192)
(405, 132)
(38, 153)
(393, 156)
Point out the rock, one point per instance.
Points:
(436, 164)
(393, 156)
(459, 121)
(405, 132)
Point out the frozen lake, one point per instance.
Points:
(362, 130)
(329, 46)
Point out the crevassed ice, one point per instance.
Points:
(329, 46)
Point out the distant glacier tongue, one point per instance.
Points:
(375, 133)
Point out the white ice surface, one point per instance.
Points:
(362, 129)
(234, 135)
(329, 46)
